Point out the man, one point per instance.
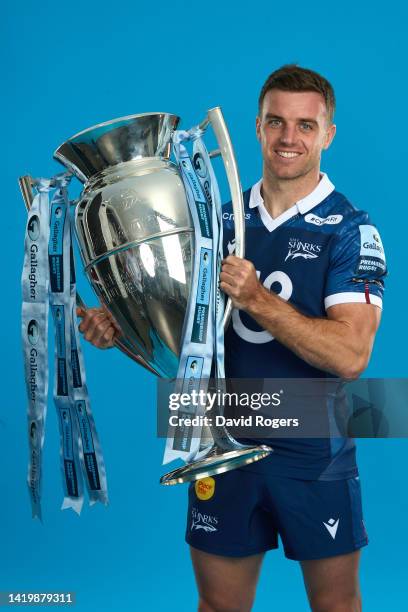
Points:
(307, 303)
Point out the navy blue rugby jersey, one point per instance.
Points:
(321, 252)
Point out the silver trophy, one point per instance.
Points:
(136, 238)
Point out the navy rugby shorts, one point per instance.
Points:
(242, 513)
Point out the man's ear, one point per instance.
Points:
(258, 128)
(331, 131)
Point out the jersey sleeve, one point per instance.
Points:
(357, 265)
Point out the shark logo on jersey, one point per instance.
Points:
(307, 250)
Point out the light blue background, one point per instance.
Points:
(71, 65)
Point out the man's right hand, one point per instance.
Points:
(98, 327)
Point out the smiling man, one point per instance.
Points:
(307, 304)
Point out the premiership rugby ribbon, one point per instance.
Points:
(60, 302)
(54, 274)
(207, 178)
(34, 329)
(79, 441)
(203, 332)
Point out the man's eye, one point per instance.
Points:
(274, 122)
(306, 126)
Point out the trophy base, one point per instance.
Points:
(216, 461)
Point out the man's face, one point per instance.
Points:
(293, 130)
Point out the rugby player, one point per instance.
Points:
(307, 303)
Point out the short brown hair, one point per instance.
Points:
(292, 77)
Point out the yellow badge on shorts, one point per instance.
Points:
(205, 488)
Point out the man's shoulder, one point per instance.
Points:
(351, 230)
(336, 214)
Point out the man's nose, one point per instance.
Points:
(288, 135)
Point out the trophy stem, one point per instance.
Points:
(224, 455)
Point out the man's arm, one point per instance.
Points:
(340, 344)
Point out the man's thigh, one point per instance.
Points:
(333, 583)
(225, 583)
(317, 519)
(227, 517)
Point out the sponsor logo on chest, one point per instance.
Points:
(231, 217)
(330, 220)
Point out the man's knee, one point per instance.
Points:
(225, 602)
(226, 584)
(333, 602)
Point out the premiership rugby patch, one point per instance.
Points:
(372, 256)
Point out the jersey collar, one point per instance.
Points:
(319, 193)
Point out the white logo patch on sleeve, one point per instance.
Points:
(371, 245)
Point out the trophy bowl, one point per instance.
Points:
(137, 243)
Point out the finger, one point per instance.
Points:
(113, 321)
(86, 319)
(92, 317)
(228, 289)
(240, 276)
(233, 260)
(97, 339)
(100, 330)
(108, 339)
(232, 270)
(228, 278)
(97, 323)
(88, 325)
(80, 311)
(88, 316)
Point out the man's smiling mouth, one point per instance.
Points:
(288, 154)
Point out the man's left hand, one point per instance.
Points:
(239, 280)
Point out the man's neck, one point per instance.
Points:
(280, 195)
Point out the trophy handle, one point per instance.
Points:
(216, 118)
(26, 184)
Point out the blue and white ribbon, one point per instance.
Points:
(80, 450)
(203, 336)
(34, 330)
(208, 180)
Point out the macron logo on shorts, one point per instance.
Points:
(331, 527)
